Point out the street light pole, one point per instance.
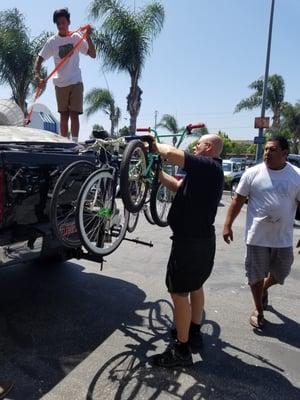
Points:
(259, 151)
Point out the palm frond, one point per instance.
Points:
(152, 19)
(250, 103)
(99, 99)
(169, 123)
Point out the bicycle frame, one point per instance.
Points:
(187, 131)
(152, 157)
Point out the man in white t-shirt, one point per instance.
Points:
(67, 79)
(273, 192)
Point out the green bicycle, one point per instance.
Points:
(139, 173)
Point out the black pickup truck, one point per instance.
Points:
(31, 161)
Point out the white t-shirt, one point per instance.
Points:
(273, 199)
(58, 46)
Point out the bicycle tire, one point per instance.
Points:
(98, 208)
(147, 214)
(64, 200)
(160, 202)
(132, 222)
(133, 200)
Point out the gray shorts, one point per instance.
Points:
(260, 261)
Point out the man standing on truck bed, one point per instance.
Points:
(67, 80)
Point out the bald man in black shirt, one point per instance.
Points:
(191, 219)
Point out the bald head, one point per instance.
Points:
(210, 145)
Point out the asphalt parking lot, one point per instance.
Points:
(71, 331)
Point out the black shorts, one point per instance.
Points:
(190, 264)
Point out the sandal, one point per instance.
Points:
(265, 300)
(257, 320)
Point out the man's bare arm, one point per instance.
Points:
(37, 67)
(233, 211)
(169, 181)
(170, 153)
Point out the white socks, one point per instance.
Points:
(75, 139)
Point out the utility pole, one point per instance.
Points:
(259, 146)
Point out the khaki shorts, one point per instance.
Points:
(70, 98)
(260, 261)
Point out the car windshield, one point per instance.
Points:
(227, 167)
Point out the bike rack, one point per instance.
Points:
(138, 241)
(79, 253)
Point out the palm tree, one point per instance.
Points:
(125, 40)
(102, 99)
(169, 123)
(17, 56)
(274, 98)
(291, 123)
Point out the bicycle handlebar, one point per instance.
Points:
(143, 129)
(190, 126)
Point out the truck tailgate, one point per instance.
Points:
(28, 182)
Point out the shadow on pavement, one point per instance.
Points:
(287, 332)
(52, 318)
(221, 374)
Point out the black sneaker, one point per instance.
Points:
(195, 338)
(172, 358)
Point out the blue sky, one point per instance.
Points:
(207, 54)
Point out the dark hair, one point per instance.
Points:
(283, 143)
(62, 12)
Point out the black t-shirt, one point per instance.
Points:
(194, 207)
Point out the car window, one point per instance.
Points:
(226, 167)
(295, 161)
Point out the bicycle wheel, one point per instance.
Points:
(133, 185)
(64, 199)
(147, 214)
(160, 203)
(132, 221)
(100, 217)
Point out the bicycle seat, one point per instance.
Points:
(144, 138)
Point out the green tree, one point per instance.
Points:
(17, 56)
(102, 99)
(124, 131)
(97, 127)
(274, 97)
(227, 144)
(125, 40)
(291, 124)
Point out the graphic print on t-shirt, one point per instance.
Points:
(64, 50)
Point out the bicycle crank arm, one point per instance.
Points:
(137, 241)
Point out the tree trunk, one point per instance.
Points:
(134, 100)
(276, 118)
(112, 126)
(21, 103)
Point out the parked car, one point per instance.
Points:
(239, 160)
(294, 159)
(31, 160)
(232, 174)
